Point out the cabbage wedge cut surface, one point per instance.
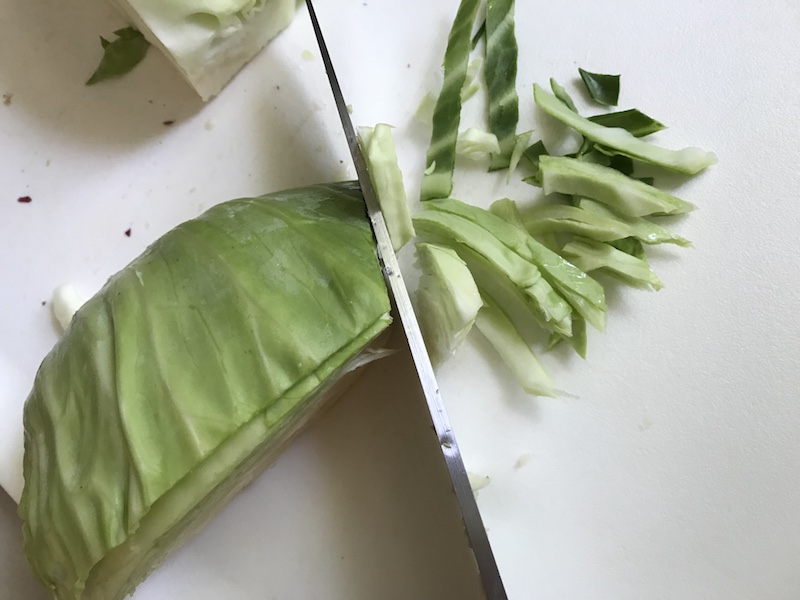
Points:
(178, 382)
(209, 41)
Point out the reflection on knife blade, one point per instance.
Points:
(473, 523)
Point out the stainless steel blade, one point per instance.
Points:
(476, 532)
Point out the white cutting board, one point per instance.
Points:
(674, 474)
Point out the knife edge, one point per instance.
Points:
(473, 523)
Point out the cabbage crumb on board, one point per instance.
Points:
(180, 380)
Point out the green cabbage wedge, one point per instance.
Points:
(186, 374)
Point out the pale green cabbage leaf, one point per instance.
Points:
(448, 300)
(176, 383)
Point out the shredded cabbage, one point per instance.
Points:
(209, 41)
(687, 160)
(448, 300)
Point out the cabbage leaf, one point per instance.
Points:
(175, 384)
(209, 41)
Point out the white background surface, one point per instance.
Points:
(675, 472)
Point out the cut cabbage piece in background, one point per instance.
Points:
(603, 88)
(561, 93)
(120, 55)
(209, 41)
(475, 144)
(441, 155)
(448, 300)
(472, 82)
(578, 340)
(562, 218)
(494, 263)
(472, 85)
(478, 482)
(500, 71)
(182, 379)
(632, 120)
(507, 209)
(66, 302)
(520, 145)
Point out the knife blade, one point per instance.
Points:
(473, 523)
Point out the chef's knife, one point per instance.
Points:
(473, 523)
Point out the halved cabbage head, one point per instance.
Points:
(181, 379)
